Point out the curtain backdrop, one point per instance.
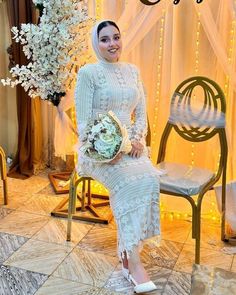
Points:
(162, 40)
(170, 43)
(28, 110)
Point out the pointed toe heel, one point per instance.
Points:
(144, 287)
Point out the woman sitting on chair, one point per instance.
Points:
(132, 180)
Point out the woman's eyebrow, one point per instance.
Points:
(117, 34)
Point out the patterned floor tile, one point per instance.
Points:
(39, 256)
(49, 191)
(4, 212)
(164, 256)
(210, 237)
(109, 292)
(101, 240)
(30, 185)
(208, 257)
(17, 199)
(208, 280)
(40, 204)
(66, 287)
(87, 267)
(111, 224)
(178, 284)
(159, 276)
(233, 266)
(56, 229)
(118, 283)
(176, 230)
(22, 223)
(16, 281)
(9, 244)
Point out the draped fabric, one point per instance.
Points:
(170, 43)
(28, 110)
(141, 37)
(167, 36)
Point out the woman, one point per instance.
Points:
(132, 181)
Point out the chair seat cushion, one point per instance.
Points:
(183, 179)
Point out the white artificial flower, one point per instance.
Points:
(53, 48)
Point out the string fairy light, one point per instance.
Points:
(158, 85)
(231, 52)
(99, 4)
(197, 43)
(196, 69)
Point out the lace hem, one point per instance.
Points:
(139, 225)
(153, 242)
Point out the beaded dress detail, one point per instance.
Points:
(133, 183)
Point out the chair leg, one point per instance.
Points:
(71, 206)
(194, 225)
(197, 235)
(5, 194)
(3, 167)
(223, 207)
(83, 196)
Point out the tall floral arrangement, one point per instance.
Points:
(54, 48)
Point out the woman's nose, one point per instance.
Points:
(112, 42)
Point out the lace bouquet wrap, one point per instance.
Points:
(106, 137)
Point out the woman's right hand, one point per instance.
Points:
(116, 159)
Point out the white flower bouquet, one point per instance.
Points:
(55, 48)
(105, 138)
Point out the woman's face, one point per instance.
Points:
(109, 43)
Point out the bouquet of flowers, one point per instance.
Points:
(55, 48)
(105, 138)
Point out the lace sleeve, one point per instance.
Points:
(83, 101)
(139, 127)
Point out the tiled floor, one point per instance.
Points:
(36, 259)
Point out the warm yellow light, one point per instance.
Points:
(160, 52)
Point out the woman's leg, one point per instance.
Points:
(136, 267)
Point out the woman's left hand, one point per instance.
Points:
(137, 149)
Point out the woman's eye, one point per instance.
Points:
(104, 40)
(117, 37)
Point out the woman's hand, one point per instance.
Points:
(116, 159)
(137, 149)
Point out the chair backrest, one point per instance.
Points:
(197, 113)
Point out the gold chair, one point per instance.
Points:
(183, 180)
(86, 202)
(4, 175)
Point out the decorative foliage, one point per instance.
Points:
(53, 48)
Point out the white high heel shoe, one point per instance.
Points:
(138, 288)
(144, 287)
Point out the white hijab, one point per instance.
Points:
(94, 38)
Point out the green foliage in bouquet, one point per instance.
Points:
(105, 138)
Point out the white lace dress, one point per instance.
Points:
(133, 183)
